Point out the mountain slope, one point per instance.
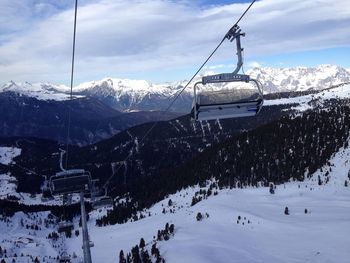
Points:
(91, 120)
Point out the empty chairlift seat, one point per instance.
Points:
(70, 181)
(230, 102)
(103, 201)
(65, 226)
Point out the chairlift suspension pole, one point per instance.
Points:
(86, 239)
(71, 79)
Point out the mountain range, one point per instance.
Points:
(139, 95)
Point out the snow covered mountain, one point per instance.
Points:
(300, 78)
(136, 95)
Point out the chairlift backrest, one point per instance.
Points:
(227, 103)
(70, 181)
(104, 201)
(65, 226)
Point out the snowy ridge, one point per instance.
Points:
(306, 102)
(41, 91)
(300, 78)
(132, 92)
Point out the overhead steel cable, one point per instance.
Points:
(71, 81)
(181, 91)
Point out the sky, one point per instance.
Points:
(165, 40)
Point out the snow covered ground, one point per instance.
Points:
(8, 153)
(263, 234)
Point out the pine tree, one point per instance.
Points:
(171, 228)
(145, 257)
(122, 257)
(142, 243)
(286, 211)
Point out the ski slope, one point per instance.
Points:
(321, 235)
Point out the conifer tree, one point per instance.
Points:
(122, 257)
(286, 211)
(142, 243)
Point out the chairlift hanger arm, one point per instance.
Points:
(235, 33)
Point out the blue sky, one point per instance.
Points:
(165, 40)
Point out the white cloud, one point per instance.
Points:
(254, 64)
(126, 36)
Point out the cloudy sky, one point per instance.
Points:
(165, 40)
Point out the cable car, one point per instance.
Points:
(70, 181)
(243, 100)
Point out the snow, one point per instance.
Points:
(7, 185)
(300, 78)
(304, 102)
(8, 153)
(40, 91)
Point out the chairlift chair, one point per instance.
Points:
(64, 258)
(102, 201)
(228, 103)
(99, 197)
(65, 226)
(71, 181)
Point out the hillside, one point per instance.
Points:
(238, 174)
(238, 225)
